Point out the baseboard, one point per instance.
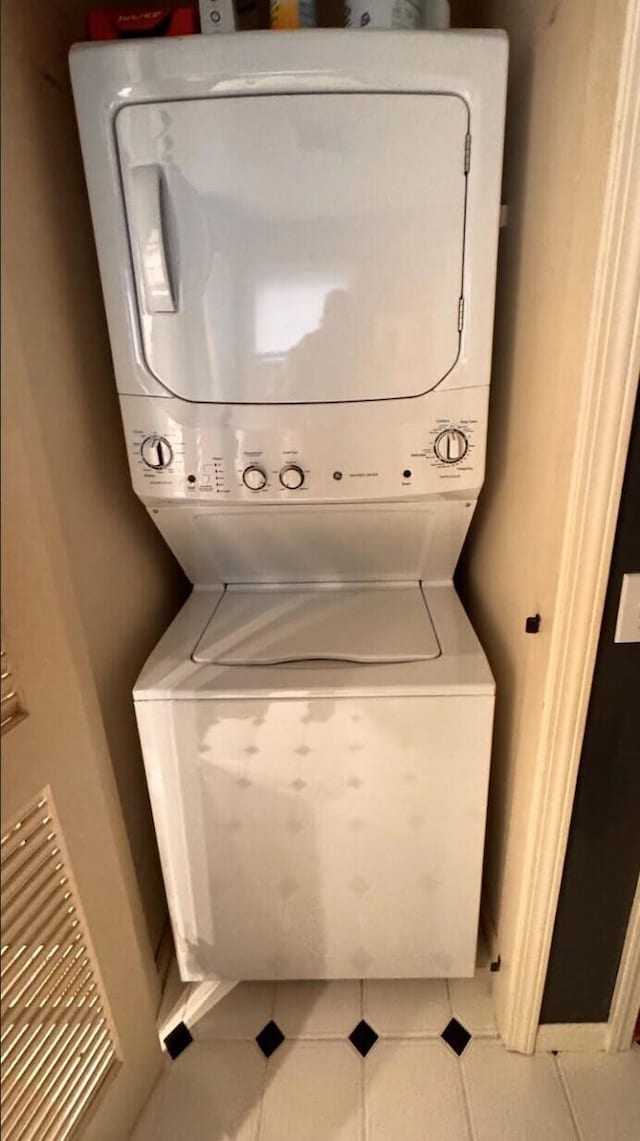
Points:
(626, 996)
(203, 996)
(571, 1036)
(187, 1002)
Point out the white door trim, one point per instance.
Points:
(602, 438)
(617, 1033)
(187, 1003)
(625, 1004)
(574, 1036)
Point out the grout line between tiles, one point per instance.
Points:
(248, 1037)
(467, 1102)
(260, 1113)
(409, 1035)
(564, 1085)
(265, 1079)
(363, 1102)
(449, 998)
(320, 1036)
(343, 1036)
(361, 997)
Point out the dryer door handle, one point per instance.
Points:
(148, 238)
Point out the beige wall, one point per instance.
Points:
(563, 76)
(125, 584)
(62, 743)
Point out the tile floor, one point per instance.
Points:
(410, 1086)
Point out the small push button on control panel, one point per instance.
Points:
(254, 477)
(292, 477)
(451, 446)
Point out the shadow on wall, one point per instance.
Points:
(251, 850)
(263, 894)
(125, 581)
(508, 313)
(307, 839)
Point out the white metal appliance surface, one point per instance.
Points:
(312, 314)
(362, 624)
(323, 820)
(283, 282)
(297, 238)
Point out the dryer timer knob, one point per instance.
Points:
(156, 452)
(451, 446)
(254, 477)
(292, 477)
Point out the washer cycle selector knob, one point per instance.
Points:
(156, 452)
(254, 478)
(451, 446)
(292, 477)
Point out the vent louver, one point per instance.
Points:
(57, 1043)
(12, 709)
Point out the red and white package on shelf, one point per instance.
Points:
(129, 23)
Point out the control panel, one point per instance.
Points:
(291, 477)
(210, 457)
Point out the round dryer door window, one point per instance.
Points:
(297, 248)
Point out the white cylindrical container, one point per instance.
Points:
(436, 14)
(217, 16)
(383, 14)
(288, 14)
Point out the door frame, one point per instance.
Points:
(625, 1004)
(602, 437)
(617, 1033)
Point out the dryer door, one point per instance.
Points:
(297, 248)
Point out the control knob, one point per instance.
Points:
(292, 477)
(156, 452)
(254, 478)
(451, 446)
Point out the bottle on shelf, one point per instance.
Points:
(290, 14)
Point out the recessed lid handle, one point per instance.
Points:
(361, 625)
(148, 200)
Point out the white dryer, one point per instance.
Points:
(297, 239)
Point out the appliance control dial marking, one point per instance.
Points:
(254, 477)
(292, 477)
(157, 453)
(451, 446)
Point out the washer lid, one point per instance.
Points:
(352, 623)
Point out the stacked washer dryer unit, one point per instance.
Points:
(297, 239)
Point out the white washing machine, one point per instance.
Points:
(297, 238)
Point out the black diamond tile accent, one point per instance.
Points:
(363, 1038)
(269, 1038)
(177, 1040)
(455, 1035)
